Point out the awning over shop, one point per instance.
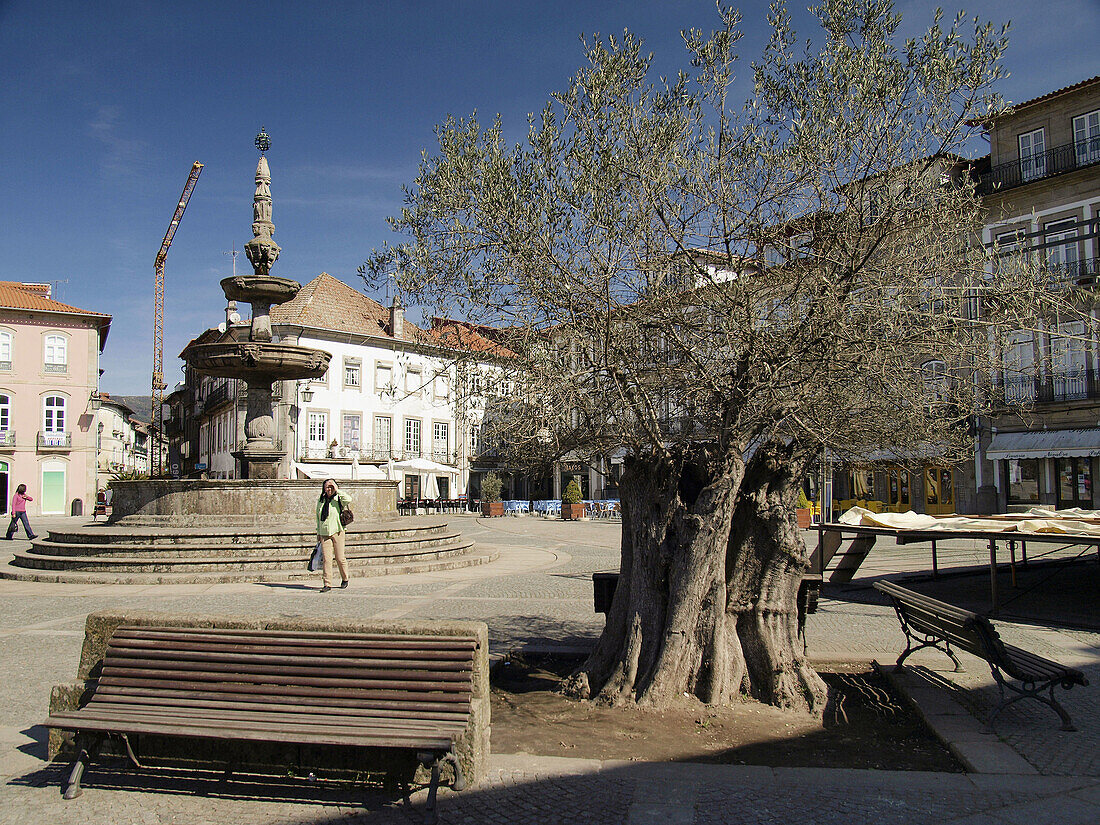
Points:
(1045, 444)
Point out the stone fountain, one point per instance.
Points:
(258, 527)
(254, 357)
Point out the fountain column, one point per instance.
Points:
(258, 360)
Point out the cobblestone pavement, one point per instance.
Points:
(538, 594)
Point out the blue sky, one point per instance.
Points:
(105, 105)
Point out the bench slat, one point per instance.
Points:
(128, 658)
(255, 718)
(399, 701)
(402, 710)
(304, 691)
(301, 734)
(334, 639)
(199, 650)
(305, 678)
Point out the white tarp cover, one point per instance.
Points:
(1074, 521)
(1045, 444)
(423, 465)
(367, 472)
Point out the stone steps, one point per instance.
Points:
(468, 559)
(270, 546)
(94, 534)
(119, 553)
(290, 560)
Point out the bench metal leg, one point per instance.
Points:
(1031, 693)
(909, 648)
(84, 757)
(460, 778)
(431, 760)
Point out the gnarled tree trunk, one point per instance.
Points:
(704, 605)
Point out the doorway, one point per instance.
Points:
(939, 491)
(4, 487)
(1074, 482)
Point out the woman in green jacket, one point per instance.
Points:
(330, 532)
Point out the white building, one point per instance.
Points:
(386, 408)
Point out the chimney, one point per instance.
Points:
(397, 318)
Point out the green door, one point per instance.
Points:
(53, 491)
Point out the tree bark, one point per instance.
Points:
(766, 558)
(706, 599)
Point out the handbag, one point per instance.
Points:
(316, 562)
(346, 516)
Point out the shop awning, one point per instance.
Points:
(1045, 444)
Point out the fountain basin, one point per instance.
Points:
(250, 360)
(221, 502)
(263, 288)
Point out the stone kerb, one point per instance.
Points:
(242, 501)
(471, 749)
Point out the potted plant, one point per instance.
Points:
(803, 511)
(572, 506)
(491, 505)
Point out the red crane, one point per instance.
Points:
(156, 459)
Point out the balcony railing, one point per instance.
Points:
(55, 441)
(58, 369)
(1082, 273)
(7, 438)
(1055, 161)
(377, 455)
(1069, 385)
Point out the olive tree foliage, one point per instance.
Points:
(718, 290)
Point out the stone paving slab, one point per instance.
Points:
(537, 594)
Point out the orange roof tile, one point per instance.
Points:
(328, 303)
(15, 295)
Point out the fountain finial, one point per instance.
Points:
(262, 251)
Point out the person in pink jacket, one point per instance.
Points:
(19, 512)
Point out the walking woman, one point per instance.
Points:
(19, 512)
(330, 532)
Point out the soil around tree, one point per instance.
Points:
(866, 725)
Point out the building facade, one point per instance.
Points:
(1041, 190)
(49, 395)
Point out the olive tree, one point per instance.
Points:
(718, 291)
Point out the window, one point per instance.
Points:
(442, 387)
(53, 421)
(1060, 242)
(5, 416)
(56, 354)
(1019, 367)
(412, 437)
(383, 439)
(318, 429)
(934, 376)
(383, 378)
(1069, 356)
(351, 430)
(441, 439)
(1033, 159)
(475, 439)
(352, 371)
(5, 350)
(1086, 138)
(413, 380)
(1022, 480)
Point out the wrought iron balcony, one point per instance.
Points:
(1082, 273)
(1058, 387)
(55, 441)
(7, 439)
(1055, 161)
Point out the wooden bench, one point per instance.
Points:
(927, 622)
(364, 690)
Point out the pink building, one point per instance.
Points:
(49, 379)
